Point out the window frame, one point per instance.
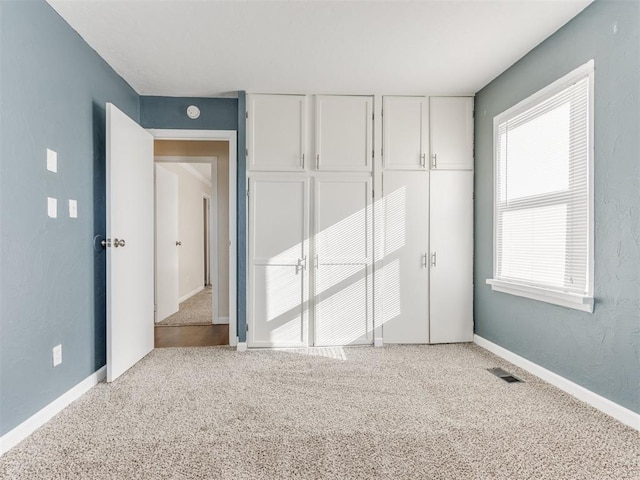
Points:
(583, 302)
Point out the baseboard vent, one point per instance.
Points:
(504, 375)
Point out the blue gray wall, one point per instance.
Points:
(52, 283)
(600, 351)
(215, 114)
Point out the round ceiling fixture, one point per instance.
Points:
(193, 112)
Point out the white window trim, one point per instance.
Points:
(585, 302)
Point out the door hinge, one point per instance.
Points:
(246, 114)
(247, 327)
(247, 190)
(373, 117)
(373, 193)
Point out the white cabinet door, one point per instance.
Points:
(405, 133)
(344, 126)
(451, 133)
(166, 243)
(343, 248)
(278, 256)
(405, 300)
(451, 243)
(276, 132)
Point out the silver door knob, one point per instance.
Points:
(118, 243)
(178, 244)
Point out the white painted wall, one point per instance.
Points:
(223, 234)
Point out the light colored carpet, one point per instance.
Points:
(196, 310)
(402, 412)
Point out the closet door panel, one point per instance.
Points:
(276, 132)
(405, 133)
(451, 133)
(343, 293)
(451, 243)
(344, 127)
(405, 301)
(278, 255)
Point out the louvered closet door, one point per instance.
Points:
(344, 133)
(278, 256)
(405, 133)
(276, 132)
(343, 247)
(405, 301)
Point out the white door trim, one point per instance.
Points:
(231, 137)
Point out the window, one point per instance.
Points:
(543, 204)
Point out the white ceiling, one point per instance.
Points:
(212, 48)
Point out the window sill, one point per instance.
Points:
(569, 300)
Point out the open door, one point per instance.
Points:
(167, 243)
(129, 172)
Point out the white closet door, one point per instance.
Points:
(276, 132)
(451, 133)
(344, 126)
(343, 247)
(405, 133)
(405, 302)
(451, 238)
(278, 255)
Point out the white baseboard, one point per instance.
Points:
(38, 419)
(190, 294)
(242, 346)
(378, 342)
(620, 413)
(221, 321)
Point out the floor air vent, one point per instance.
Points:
(504, 375)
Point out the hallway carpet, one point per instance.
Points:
(196, 310)
(398, 412)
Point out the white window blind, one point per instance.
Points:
(542, 191)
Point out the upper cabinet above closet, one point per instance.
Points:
(276, 126)
(451, 133)
(405, 133)
(344, 133)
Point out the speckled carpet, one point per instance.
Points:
(401, 412)
(196, 310)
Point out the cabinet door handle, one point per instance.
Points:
(302, 264)
(317, 161)
(433, 259)
(434, 164)
(303, 161)
(424, 260)
(423, 160)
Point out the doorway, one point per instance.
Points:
(201, 248)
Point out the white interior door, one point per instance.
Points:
(451, 243)
(278, 257)
(405, 301)
(343, 262)
(344, 133)
(129, 172)
(405, 133)
(451, 133)
(276, 132)
(166, 247)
